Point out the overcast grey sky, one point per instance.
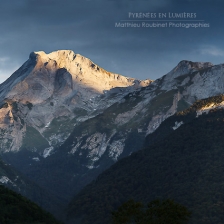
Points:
(88, 27)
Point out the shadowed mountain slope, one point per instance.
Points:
(187, 166)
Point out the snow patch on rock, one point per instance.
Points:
(74, 149)
(47, 152)
(116, 148)
(5, 180)
(177, 125)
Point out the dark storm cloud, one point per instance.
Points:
(88, 27)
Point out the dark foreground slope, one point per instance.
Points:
(17, 209)
(187, 166)
(14, 180)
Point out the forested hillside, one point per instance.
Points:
(186, 166)
(15, 209)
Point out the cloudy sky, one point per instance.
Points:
(88, 27)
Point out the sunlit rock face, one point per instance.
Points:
(62, 75)
(61, 87)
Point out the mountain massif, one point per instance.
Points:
(62, 88)
(64, 120)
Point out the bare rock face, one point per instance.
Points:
(50, 89)
(64, 75)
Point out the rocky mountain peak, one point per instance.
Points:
(62, 73)
(69, 54)
(83, 70)
(61, 57)
(70, 61)
(56, 86)
(184, 64)
(184, 67)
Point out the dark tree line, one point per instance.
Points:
(156, 212)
